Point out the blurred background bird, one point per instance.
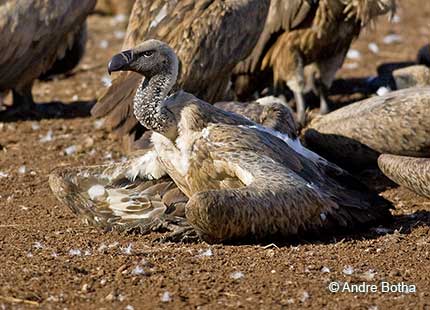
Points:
(305, 34)
(210, 37)
(39, 38)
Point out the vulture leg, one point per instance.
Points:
(23, 104)
(322, 91)
(300, 107)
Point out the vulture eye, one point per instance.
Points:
(148, 53)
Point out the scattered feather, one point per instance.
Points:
(119, 34)
(104, 44)
(35, 126)
(351, 65)
(48, 137)
(54, 254)
(127, 250)
(373, 47)
(392, 38)
(129, 307)
(22, 170)
(70, 150)
(237, 275)
(369, 275)
(396, 19)
(75, 252)
(382, 230)
(75, 98)
(102, 248)
(206, 253)
(166, 297)
(38, 245)
(304, 297)
(120, 18)
(138, 270)
(98, 123)
(3, 174)
(325, 269)
(348, 270)
(353, 54)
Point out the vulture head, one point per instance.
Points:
(150, 58)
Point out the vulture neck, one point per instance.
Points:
(149, 101)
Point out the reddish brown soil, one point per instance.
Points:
(49, 258)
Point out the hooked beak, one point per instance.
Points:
(120, 61)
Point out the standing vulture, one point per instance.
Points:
(37, 37)
(299, 33)
(210, 36)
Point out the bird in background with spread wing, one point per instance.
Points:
(303, 44)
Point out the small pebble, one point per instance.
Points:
(3, 174)
(325, 269)
(75, 98)
(129, 307)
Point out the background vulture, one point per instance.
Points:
(306, 32)
(37, 36)
(210, 38)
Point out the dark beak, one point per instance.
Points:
(120, 61)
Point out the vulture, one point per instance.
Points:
(410, 172)
(242, 180)
(354, 136)
(303, 44)
(210, 38)
(39, 38)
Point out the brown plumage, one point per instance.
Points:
(354, 136)
(299, 33)
(35, 34)
(210, 37)
(242, 180)
(413, 173)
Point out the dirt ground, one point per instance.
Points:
(48, 258)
